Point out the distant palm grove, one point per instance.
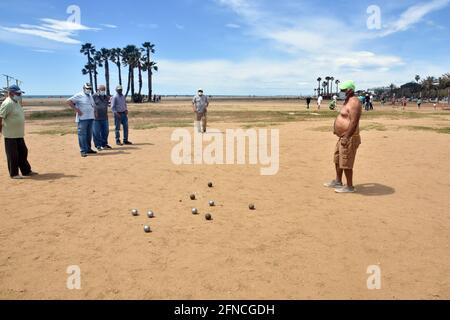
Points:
(130, 56)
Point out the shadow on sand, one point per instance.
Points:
(51, 176)
(374, 189)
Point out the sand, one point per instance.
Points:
(303, 241)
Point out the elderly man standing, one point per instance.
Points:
(101, 124)
(346, 127)
(120, 109)
(83, 104)
(12, 125)
(200, 105)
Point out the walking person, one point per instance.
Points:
(419, 103)
(308, 102)
(83, 104)
(120, 109)
(319, 102)
(12, 126)
(101, 123)
(200, 105)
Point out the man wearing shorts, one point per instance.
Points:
(346, 127)
(200, 105)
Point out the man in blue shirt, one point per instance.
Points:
(83, 104)
(120, 109)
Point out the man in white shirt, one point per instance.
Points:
(319, 102)
(83, 104)
(200, 105)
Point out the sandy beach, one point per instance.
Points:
(303, 241)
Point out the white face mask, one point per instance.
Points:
(17, 99)
(200, 94)
(87, 91)
(102, 93)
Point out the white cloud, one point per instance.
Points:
(107, 25)
(233, 26)
(414, 15)
(55, 30)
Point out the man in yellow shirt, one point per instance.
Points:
(12, 126)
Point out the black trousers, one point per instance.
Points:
(16, 155)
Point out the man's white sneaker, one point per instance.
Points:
(345, 189)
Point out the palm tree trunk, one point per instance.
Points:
(120, 72)
(90, 68)
(149, 77)
(140, 78)
(95, 77)
(108, 92)
(132, 82)
(129, 81)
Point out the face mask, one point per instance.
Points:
(86, 91)
(200, 94)
(102, 93)
(17, 99)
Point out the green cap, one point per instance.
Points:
(349, 84)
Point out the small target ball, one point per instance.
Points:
(135, 212)
(208, 216)
(147, 229)
(194, 211)
(210, 184)
(192, 196)
(150, 214)
(211, 203)
(251, 206)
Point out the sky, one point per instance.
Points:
(228, 47)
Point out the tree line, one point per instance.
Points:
(325, 88)
(427, 88)
(131, 56)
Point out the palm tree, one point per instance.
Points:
(324, 85)
(331, 85)
(130, 58)
(318, 88)
(88, 50)
(115, 57)
(327, 78)
(417, 78)
(337, 85)
(103, 61)
(96, 63)
(149, 49)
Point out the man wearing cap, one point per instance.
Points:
(12, 126)
(120, 109)
(200, 105)
(84, 104)
(101, 124)
(346, 127)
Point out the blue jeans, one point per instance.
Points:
(120, 118)
(101, 132)
(85, 134)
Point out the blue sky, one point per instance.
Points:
(260, 47)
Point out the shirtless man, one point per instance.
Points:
(346, 127)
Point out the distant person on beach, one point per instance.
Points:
(319, 102)
(120, 109)
(419, 103)
(346, 127)
(308, 102)
(200, 105)
(404, 103)
(12, 126)
(83, 104)
(101, 123)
